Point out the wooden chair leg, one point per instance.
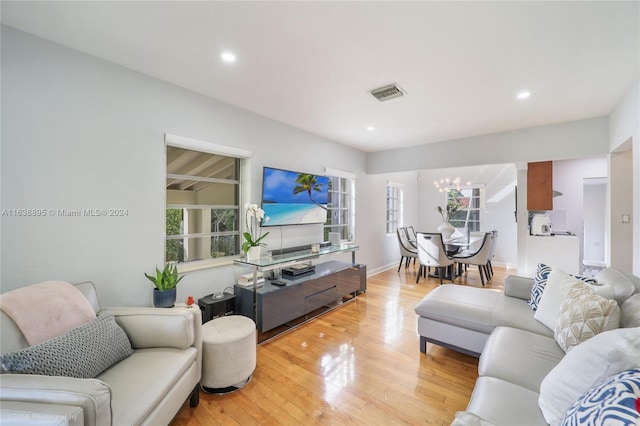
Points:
(400, 265)
(419, 272)
(481, 274)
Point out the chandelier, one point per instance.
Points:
(447, 184)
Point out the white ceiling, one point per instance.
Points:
(311, 64)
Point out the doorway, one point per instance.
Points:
(594, 201)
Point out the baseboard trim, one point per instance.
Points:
(375, 271)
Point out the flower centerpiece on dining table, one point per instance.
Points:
(446, 229)
(255, 218)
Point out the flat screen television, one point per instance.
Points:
(294, 198)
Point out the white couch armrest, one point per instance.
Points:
(158, 327)
(518, 287)
(91, 395)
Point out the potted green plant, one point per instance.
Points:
(164, 295)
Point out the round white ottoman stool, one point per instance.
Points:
(228, 353)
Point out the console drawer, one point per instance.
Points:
(320, 299)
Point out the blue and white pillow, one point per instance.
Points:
(612, 402)
(540, 282)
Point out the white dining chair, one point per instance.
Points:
(492, 252)
(480, 257)
(431, 252)
(411, 235)
(407, 250)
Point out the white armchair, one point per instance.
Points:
(148, 387)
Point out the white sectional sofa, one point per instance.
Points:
(525, 376)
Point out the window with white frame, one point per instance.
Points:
(341, 207)
(394, 207)
(202, 205)
(466, 204)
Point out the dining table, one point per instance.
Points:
(453, 245)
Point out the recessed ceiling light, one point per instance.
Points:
(370, 128)
(523, 95)
(228, 57)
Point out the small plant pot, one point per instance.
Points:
(164, 298)
(254, 253)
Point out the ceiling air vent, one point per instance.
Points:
(388, 92)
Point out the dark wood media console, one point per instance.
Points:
(303, 297)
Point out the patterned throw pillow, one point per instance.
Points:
(83, 352)
(613, 401)
(584, 314)
(540, 282)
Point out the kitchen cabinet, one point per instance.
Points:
(540, 186)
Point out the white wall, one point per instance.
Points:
(79, 132)
(568, 178)
(622, 200)
(575, 139)
(595, 207)
(385, 252)
(624, 134)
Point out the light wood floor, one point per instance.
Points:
(358, 364)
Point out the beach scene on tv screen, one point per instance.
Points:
(292, 198)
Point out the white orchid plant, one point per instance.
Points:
(255, 218)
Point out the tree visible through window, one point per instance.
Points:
(467, 205)
(202, 211)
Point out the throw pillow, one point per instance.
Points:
(558, 284)
(615, 285)
(83, 352)
(584, 314)
(539, 283)
(610, 402)
(586, 365)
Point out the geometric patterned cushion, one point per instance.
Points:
(539, 283)
(82, 352)
(612, 402)
(584, 314)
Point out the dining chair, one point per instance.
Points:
(492, 252)
(480, 257)
(431, 252)
(407, 251)
(411, 235)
